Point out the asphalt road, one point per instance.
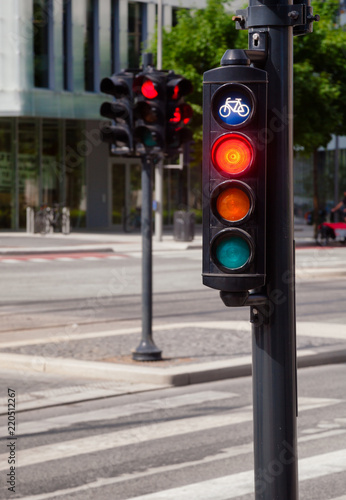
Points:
(106, 289)
(178, 443)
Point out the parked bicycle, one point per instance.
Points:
(50, 220)
(132, 222)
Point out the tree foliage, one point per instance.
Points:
(320, 80)
(201, 37)
(197, 44)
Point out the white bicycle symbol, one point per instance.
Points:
(241, 109)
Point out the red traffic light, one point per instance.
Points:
(149, 89)
(181, 114)
(232, 154)
(178, 87)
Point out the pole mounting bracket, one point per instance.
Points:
(297, 14)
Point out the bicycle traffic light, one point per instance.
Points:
(149, 88)
(119, 134)
(234, 177)
(178, 113)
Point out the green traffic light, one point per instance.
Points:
(232, 252)
(149, 139)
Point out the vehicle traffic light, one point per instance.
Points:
(119, 134)
(178, 112)
(234, 176)
(149, 89)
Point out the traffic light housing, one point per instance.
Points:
(119, 133)
(234, 176)
(178, 112)
(149, 90)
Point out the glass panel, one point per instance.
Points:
(126, 191)
(40, 39)
(51, 166)
(89, 41)
(134, 33)
(28, 168)
(75, 173)
(67, 44)
(115, 35)
(7, 186)
(118, 193)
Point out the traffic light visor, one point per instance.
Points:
(232, 154)
(232, 250)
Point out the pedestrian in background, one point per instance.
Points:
(342, 207)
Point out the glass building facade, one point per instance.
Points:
(57, 52)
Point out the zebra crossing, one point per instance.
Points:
(159, 448)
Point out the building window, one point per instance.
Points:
(42, 40)
(91, 48)
(28, 167)
(7, 177)
(51, 165)
(75, 168)
(175, 11)
(115, 36)
(67, 45)
(135, 33)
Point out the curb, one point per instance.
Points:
(173, 376)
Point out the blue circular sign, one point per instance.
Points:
(232, 105)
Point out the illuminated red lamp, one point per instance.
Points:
(149, 90)
(232, 154)
(181, 114)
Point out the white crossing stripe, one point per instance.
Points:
(223, 488)
(222, 455)
(64, 259)
(235, 485)
(162, 405)
(11, 261)
(38, 260)
(142, 434)
(323, 330)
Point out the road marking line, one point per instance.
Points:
(38, 260)
(223, 488)
(142, 434)
(162, 405)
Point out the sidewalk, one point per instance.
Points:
(21, 243)
(193, 352)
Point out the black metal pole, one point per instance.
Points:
(274, 335)
(147, 350)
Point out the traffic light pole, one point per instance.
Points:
(147, 350)
(273, 331)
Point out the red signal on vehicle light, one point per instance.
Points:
(232, 153)
(148, 90)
